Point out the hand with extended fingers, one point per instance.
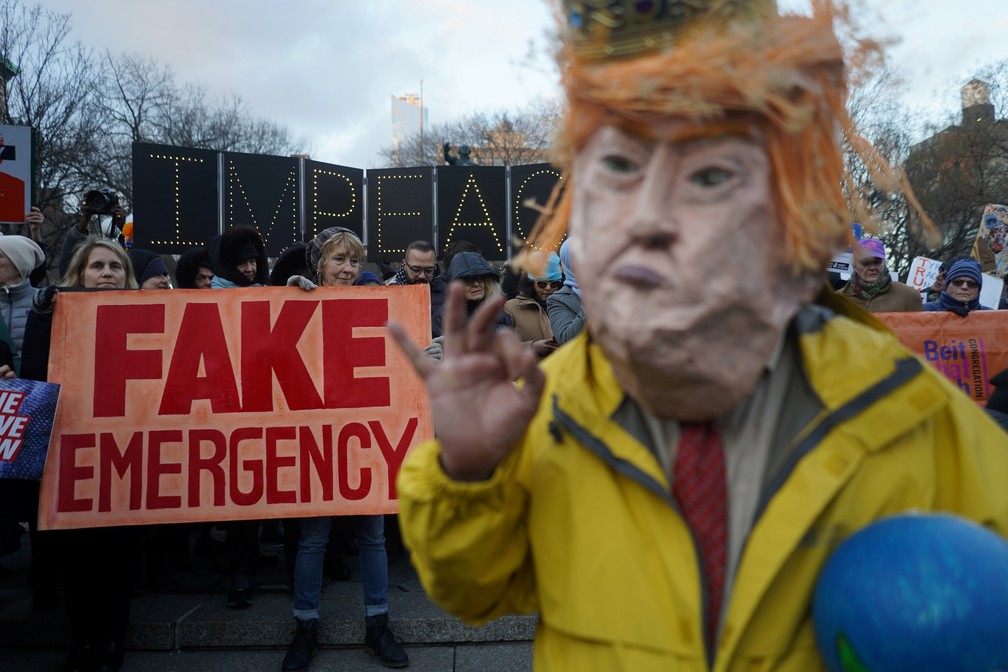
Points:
(479, 411)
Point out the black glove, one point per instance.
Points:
(42, 302)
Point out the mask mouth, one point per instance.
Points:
(641, 276)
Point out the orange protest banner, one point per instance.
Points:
(967, 350)
(266, 402)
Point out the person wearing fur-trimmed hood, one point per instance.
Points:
(239, 258)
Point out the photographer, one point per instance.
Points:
(95, 202)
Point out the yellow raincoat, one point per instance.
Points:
(578, 523)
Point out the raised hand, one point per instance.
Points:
(479, 411)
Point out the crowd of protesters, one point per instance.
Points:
(98, 570)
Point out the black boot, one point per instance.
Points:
(82, 657)
(112, 656)
(301, 650)
(240, 594)
(380, 641)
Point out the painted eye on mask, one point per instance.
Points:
(711, 177)
(619, 164)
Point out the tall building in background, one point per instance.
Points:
(409, 118)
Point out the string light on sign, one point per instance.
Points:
(487, 220)
(177, 162)
(315, 197)
(290, 186)
(382, 214)
(520, 202)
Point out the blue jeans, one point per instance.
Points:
(370, 533)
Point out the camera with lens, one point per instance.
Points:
(100, 201)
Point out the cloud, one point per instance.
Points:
(327, 69)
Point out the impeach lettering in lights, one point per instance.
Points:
(231, 404)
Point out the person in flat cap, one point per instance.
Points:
(962, 289)
(664, 490)
(870, 285)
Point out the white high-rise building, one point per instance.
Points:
(408, 120)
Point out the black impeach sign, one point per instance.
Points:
(400, 209)
(334, 196)
(472, 206)
(531, 187)
(183, 197)
(175, 197)
(263, 191)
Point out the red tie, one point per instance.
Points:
(700, 486)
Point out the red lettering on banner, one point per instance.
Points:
(211, 465)
(200, 339)
(256, 454)
(274, 463)
(254, 467)
(321, 461)
(394, 456)
(266, 350)
(126, 462)
(341, 389)
(115, 363)
(70, 473)
(354, 429)
(155, 467)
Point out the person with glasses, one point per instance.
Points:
(528, 309)
(419, 266)
(870, 285)
(962, 290)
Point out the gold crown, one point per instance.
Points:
(606, 29)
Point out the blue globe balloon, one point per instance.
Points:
(927, 593)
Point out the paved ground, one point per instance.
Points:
(191, 629)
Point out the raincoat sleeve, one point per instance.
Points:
(469, 541)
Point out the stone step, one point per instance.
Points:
(459, 658)
(195, 615)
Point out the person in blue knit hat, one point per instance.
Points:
(962, 289)
(528, 309)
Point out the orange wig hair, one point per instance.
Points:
(784, 74)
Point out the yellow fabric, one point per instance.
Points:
(597, 548)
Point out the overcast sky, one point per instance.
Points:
(327, 68)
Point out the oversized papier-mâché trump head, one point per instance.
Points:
(701, 144)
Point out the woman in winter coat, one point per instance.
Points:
(19, 256)
(97, 565)
(335, 258)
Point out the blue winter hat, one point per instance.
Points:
(965, 268)
(551, 270)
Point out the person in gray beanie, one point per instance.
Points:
(19, 256)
